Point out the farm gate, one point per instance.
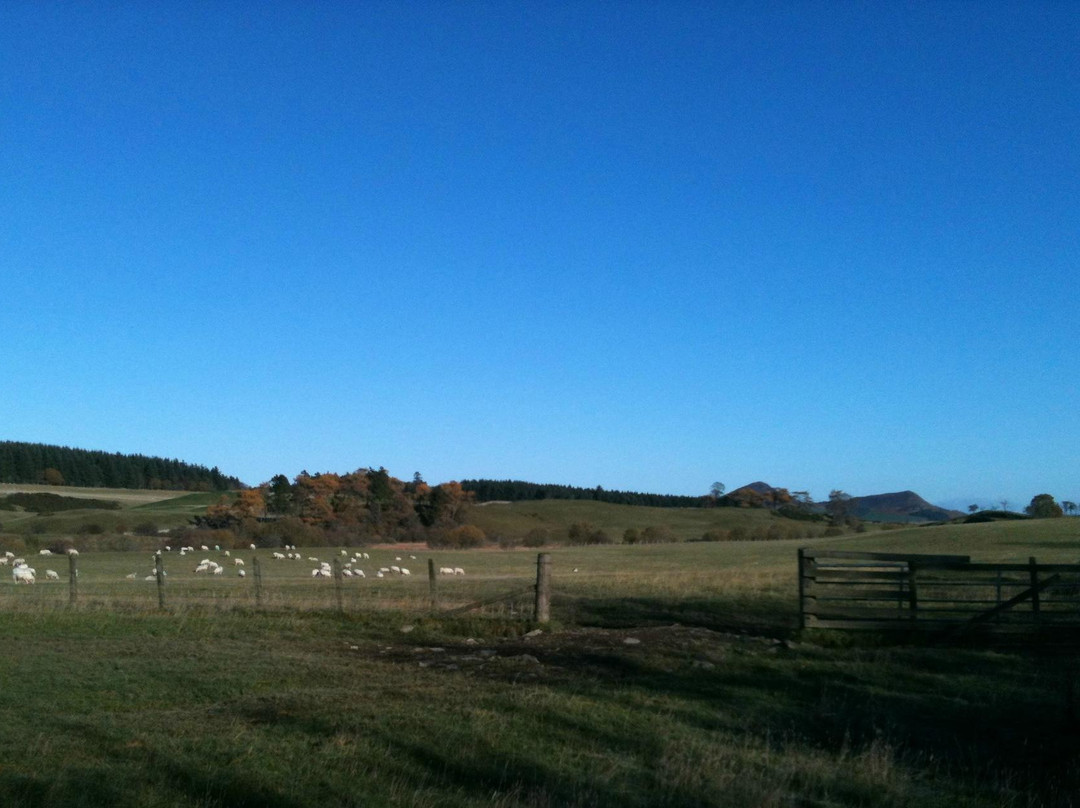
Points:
(945, 593)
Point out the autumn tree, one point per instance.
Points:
(1043, 506)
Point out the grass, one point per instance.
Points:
(673, 675)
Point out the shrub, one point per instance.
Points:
(714, 535)
(832, 532)
(89, 528)
(537, 537)
(737, 533)
(579, 532)
(631, 536)
(460, 538)
(656, 534)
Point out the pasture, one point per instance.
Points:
(670, 675)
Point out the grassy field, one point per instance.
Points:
(671, 675)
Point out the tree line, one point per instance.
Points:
(61, 465)
(519, 491)
(362, 506)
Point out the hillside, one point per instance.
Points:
(902, 506)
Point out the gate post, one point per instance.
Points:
(1034, 572)
(802, 588)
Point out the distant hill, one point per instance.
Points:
(33, 463)
(902, 506)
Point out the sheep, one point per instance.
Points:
(72, 551)
(405, 571)
(238, 562)
(383, 570)
(228, 554)
(8, 554)
(52, 575)
(395, 568)
(150, 578)
(313, 559)
(3, 561)
(23, 573)
(253, 547)
(131, 577)
(204, 548)
(279, 556)
(446, 570)
(241, 573)
(366, 556)
(379, 574)
(344, 552)
(44, 552)
(359, 574)
(218, 569)
(458, 571)
(18, 562)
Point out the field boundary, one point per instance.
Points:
(947, 594)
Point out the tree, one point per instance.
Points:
(1069, 507)
(838, 506)
(716, 490)
(972, 508)
(1043, 507)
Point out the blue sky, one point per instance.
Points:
(640, 245)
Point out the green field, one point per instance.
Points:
(671, 675)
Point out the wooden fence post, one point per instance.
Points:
(913, 600)
(432, 585)
(159, 573)
(1034, 572)
(802, 588)
(337, 583)
(73, 580)
(543, 588)
(257, 575)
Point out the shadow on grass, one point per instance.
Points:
(764, 616)
(136, 773)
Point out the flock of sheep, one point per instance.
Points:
(22, 572)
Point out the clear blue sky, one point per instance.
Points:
(646, 246)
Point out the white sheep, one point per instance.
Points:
(23, 573)
(241, 573)
(253, 547)
(458, 571)
(278, 556)
(204, 548)
(74, 552)
(238, 562)
(131, 576)
(52, 575)
(359, 574)
(405, 571)
(3, 561)
(395, 568)
(44, 552)
(446, 570)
